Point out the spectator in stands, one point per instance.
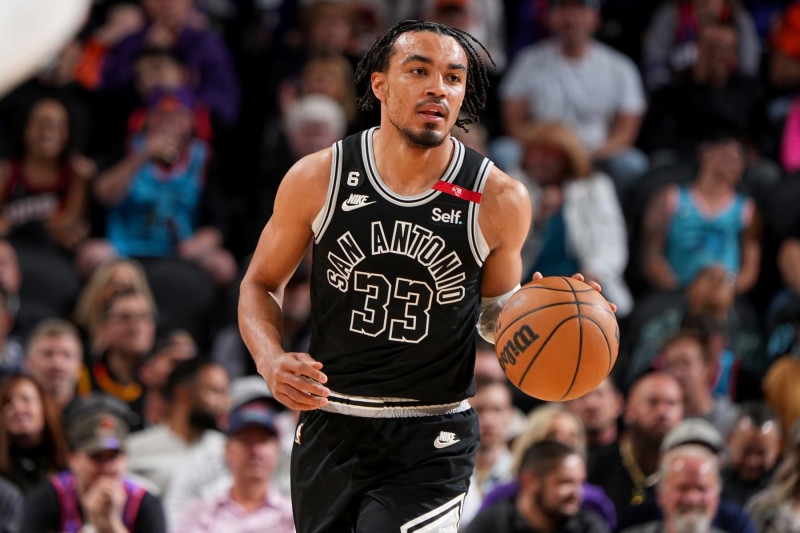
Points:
(54, 358)
(172, 24)
(44, 185)
(754, 446)
(600, 411)
(729, 517)
(579, 225)
(199, 398)
(94, 493)
(110, 278)
(128, 335)
(671, 39)
(687, 356)
(776, 507)
(205, 475)
(32, 445)
(688, 227)
(177, 346)
(550, 482)
(626, 472)
(710, 97)
(553, 422)
(122, 20)
(583, 83)
(313, 122)
(710, 296)
(492, 403)
(11, 502)
(252, 503)
(155, 195)
(330, 75)
(688, 492)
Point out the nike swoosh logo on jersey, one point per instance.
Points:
(356, 201)
(445, 439)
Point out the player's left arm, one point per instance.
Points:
(504, 218)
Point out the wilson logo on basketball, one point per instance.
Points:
(518, 343)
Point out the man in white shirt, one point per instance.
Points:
(199, 392)
(583, 83)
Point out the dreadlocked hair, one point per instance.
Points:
(378, 57)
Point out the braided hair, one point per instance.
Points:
(378, 57)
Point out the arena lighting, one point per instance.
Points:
(31, 32)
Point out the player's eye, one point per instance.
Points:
(418, 70)
(455, 78)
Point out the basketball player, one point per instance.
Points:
(413, 235)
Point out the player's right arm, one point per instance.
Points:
(280, 249)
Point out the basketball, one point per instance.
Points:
(556, 338)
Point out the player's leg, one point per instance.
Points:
(426, 479)
(322, 473)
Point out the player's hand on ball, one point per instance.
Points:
(296, 380)
(593, 284)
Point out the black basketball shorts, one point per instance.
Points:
(381, 475)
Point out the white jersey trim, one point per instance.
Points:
(323, 218)
(368, 156)
(477, 242)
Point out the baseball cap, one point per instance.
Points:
(694, 431)
(97, 431)
(252, 414)
(588, 3)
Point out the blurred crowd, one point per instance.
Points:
(660, 144)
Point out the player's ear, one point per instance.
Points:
(378, 84)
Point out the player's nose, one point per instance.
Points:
(436, 86)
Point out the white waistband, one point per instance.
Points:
(370, 407)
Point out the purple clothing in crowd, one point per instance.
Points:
(211, 71)
(594, 499)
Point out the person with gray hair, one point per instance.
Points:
(314, 122)
(688, 492)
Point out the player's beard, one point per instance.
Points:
(425, 139)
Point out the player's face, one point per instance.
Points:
(754, 450)
(561, 492)
(422, 91)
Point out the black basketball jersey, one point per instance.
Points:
(396, 279)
